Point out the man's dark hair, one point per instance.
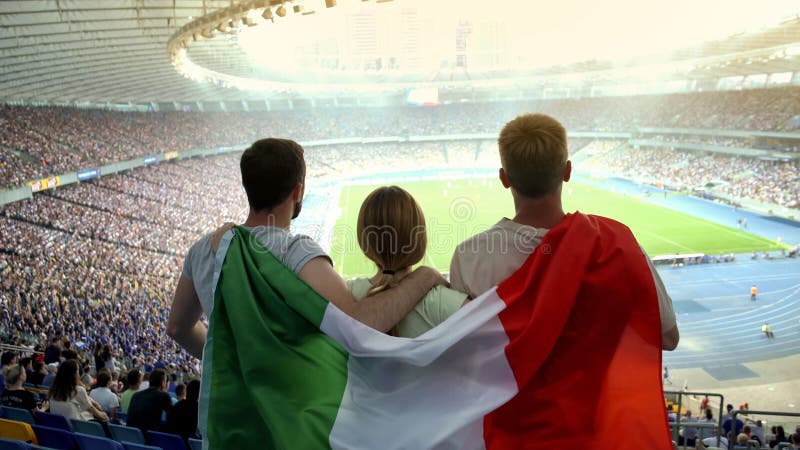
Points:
(271, 169)
(7, 358)
(157, 377)
(25, 362)
(134, 377)
(180, 390)
(103, 379)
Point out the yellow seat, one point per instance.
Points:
(19, 431)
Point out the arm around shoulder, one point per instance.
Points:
(381, 311)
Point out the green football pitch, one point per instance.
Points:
(457, 209)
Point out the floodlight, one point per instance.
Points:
(280, 11)
(330, 3)
(267, 14)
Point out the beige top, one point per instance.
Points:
(75, 408)
(437, 305)
(486, 259)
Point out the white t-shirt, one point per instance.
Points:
(105, 398)
(294, 251)
(486, 259)
(75, 408)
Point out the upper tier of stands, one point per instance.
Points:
(36, 142)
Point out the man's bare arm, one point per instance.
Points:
(381, 311)
(184, 324)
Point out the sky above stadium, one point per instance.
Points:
(420, 34)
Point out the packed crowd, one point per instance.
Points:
(97, 261)
(766, 181)
(36, 142)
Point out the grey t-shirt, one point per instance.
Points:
(292, 250)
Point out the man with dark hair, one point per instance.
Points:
(6, 359)
(52, 353)
(182, 419)
(273, 176)
(38, 373)
(134, 381)
(147, 406)
(108, 400)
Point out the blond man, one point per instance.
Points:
(591, 316)
(535, 164)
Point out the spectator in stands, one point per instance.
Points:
(182, 418)
(689, 437)
(146, 407)
(108, 401)
(794, 439)
(391, 233)
(779, 436)
(52, 354)
(67, 352)
(533, 155)
(68, 397)
(14, 395)
(86, 376)
(48, 379)
(98, 359)
(757, 431)
(708, 417)
(180, 392)
(6, 359)
(728, 410)
(727, 423)
(108, 359)
(134, 379)
(27, 365)
(38, 373)
(145, 384)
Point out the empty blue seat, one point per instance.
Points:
(132, 446)
(54, 438)
(87, 442)
(8, 444)
(165, 441)
(121, 433)
(195, 444)
(19, 415)
(53, 421)
(90, 428)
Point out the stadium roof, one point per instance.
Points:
(115, 51)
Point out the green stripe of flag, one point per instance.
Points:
(277, 381)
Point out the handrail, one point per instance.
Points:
(680, 394)
(19, 348)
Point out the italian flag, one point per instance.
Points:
(566, 353)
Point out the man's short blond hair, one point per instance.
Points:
(533, 152)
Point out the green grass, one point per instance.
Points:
(457, 209)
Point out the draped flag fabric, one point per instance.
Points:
(564, 353)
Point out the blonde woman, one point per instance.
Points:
(14, 394)
(391, 233)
